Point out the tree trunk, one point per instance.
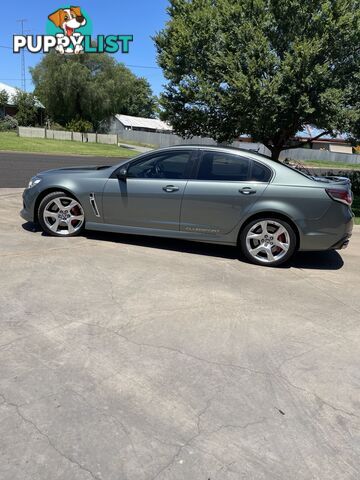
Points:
(275, 153)
(274, 149)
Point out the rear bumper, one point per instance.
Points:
(342, 244)
(332, 232)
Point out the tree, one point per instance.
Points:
(79, 125)
(354, 100)
(91, 87)
(260, 67)
(4, 98)
(27, 109)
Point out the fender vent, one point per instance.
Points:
(93, 204)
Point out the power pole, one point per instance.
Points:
(23, 73)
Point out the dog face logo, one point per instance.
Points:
(68, 19)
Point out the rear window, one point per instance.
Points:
(224, 167)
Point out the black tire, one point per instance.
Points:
(281, 255)
(62, 231)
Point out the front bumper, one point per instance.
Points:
(29, 198)
(26, 215)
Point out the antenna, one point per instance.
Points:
(23, 76)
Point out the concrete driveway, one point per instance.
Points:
(126, 358)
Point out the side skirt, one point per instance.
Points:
(196, 237)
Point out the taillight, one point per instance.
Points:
(343, 196)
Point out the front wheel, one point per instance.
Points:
(61, 215)
(268, 241)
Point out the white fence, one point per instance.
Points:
(64, 135)
(168, 139)
(160, 140)
(319, 155)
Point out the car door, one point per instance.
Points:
(224, 189)
(151, 194)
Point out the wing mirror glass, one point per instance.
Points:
(122, 174)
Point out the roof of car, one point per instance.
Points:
(216, 147)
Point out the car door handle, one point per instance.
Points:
(170, 188)
(247, 191)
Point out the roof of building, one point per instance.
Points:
(140, 122)
(12, 91)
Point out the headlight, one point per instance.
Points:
(34, 181)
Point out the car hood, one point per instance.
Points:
(70, 170)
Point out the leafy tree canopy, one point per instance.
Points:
(4, 98)
(27, 109)
(261, 67)
(91, 87)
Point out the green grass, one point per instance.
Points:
(356, 209)
(9, 141)
(330, 165)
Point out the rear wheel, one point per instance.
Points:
(61, 215)
(268, 241)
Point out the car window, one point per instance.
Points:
(260, 173)
(171, 165)
(223, 166)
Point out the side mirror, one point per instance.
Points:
(122, 174)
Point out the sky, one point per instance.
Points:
(141, 18)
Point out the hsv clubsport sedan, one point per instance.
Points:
(208, 194)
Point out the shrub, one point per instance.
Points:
(79, 125)
(8, 124)
(56, 126)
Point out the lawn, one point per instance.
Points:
(356, 209)
(9, 141)
(330, 165)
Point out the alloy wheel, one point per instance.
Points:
(268, 241)
(63, 216)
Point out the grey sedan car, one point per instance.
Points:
(209, 194)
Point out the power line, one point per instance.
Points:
(142, 66)
(126, 64)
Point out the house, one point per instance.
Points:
(337, 143)
(120, 123)
(11, 109)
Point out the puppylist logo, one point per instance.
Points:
(69, 30)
